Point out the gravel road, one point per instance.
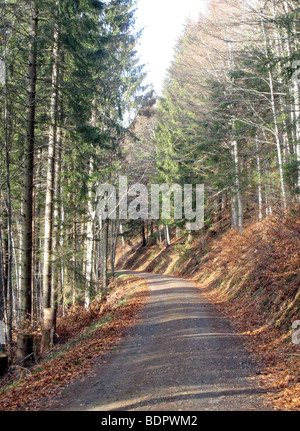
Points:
(182, 355)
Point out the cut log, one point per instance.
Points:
(24, 354)
(3, 364)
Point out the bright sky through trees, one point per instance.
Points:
(162, 21)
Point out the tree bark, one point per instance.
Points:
(89, 245)
(167, 236)
(276, 128)
(114, 241)
(297, 122)
(9, 287)
(26, 270)
(103, 254)
(260, 209)
(144, 234)
(24, 353)
(48, 241)
(48, 325)
(238, 205)
(50, 179)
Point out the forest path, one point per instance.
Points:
(181, 355)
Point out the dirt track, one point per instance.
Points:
(181, 355)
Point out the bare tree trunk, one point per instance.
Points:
(143, 233)
(89, 246)
(260, 209)
(2, 279)
(74, 242)
(238, 213)
(297, 122)
(47, 267)
(55, 273)
(50, 180)
(167, 236)
(114, 241)
(9, 293)
(159, 233)
(276, 128)
(122, 237)
(36, 261)
(235, 222)
(103, 252)
(26, 274)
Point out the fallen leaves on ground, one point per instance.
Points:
(74, 359)
(253, 278)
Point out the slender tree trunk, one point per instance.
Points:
(26, 272)
(159, 233)
(2, 279)
(276, 128)
(9, 299)
(74, 243)
(89, 245)
(167, 236)
(238, 205)
(114, 236)
(143, 233)
(36, 260)
(103, 251)
(297, 122)
(122, 237)
(50, 179)
(260, 209)
(55, 274)
(48, 250)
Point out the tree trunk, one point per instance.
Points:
(48, 250)
(297, 121)
(238, 205)
(50, 179)
(9, 292)
(159, 233)
(2, 281)
(26, 271)
(24, 353)
(48, 325)
(122, 237)
(89, 246)
(276, 128)
(103, 253)
(114, 236)
(260, 209)
(167, 235)
(144, 234)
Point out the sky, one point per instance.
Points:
(163, 22)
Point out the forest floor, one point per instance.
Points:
(182, 355)
(216, 337)
(85, 337)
